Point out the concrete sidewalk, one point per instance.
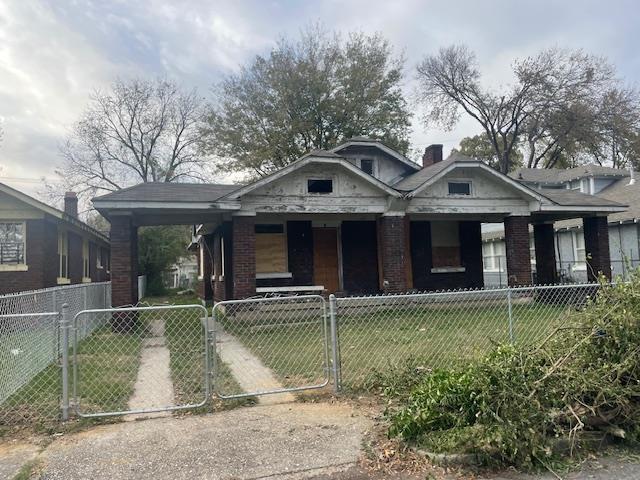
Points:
(280, 441)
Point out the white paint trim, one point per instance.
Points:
(379, 146)
(14, 267)
(448, 270)
(132, 204)
(309, 160)
(477, 164)
(265, 276)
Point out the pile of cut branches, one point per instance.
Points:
(518, 403)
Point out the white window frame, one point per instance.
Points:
(501, 266)
(329, 178)
(578, 265)
(86, 267)
(222, 262)
(201, 260)
(460, 180)
(63, 252)
(17, 267)
(374, 165)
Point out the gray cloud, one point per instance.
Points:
(54, 53)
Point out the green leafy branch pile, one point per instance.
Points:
(517, 403)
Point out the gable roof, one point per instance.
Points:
(558, 176)
(427, 176)
(49, 210)
(370, 142)
(170, 192)
(313, 157)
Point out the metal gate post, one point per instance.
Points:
(335, 344)
(511, 336)
(65, 328)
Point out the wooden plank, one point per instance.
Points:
(325, 258)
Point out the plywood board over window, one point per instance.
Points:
(271, 249)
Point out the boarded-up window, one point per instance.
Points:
(271, 249)
(445, 244)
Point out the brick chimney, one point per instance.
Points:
(432, 154)
(71, 204)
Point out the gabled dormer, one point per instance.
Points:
(376, 159)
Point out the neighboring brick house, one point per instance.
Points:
(361, 218)
(41, 246)
(568, 236)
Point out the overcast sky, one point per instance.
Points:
(54, 53)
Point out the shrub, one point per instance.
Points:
(512, 405)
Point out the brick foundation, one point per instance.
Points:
(516, 232)
(544, 241)
(596, 243)
(124, 261)
(243, 258)
(392, 250)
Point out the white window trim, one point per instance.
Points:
(222, 262)
(99, 265)
(17, 267)
(577, 265)
(334, 185)
(374, 167)
(63, 234)
(201, 260)
(460, 180)
(86, 261)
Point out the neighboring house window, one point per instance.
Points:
(317, 185)
(366, 165)
(86, 272)
(579, 252)
(271, 249)
(201, 260)
(445, 245)
(99, 260)
(12, 243)
(63, 257)
(459, 188)
(493, 257)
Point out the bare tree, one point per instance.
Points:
(138, 131)
(551, 111)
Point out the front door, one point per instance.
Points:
(325, 258)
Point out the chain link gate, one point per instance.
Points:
(140, 360)
(269, 345)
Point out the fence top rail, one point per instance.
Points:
(271, 299)
(53, 289)
(27, 315)
(138, 309)
(478, 291)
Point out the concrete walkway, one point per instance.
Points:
(280, 441)
(153, 387)
(250, 373)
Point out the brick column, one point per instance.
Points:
(392, 250)
(243, 256)
(544, 241)
(124, 261)
(596, 244)
(516, 234)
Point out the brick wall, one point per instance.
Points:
(596, 243)
(32, 279)
(243, 261)
(75, 257)
(359, 257)
(544, 243)
(516, 232)
(392, 249)
(124, 261)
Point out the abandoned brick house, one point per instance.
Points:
(361, 218)
(41, 246)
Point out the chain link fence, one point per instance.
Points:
(153, 359)
(31, 348)
(431, 330)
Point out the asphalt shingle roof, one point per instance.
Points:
(570, 198)
(416, 179)
(171, 192)
(557, 175)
